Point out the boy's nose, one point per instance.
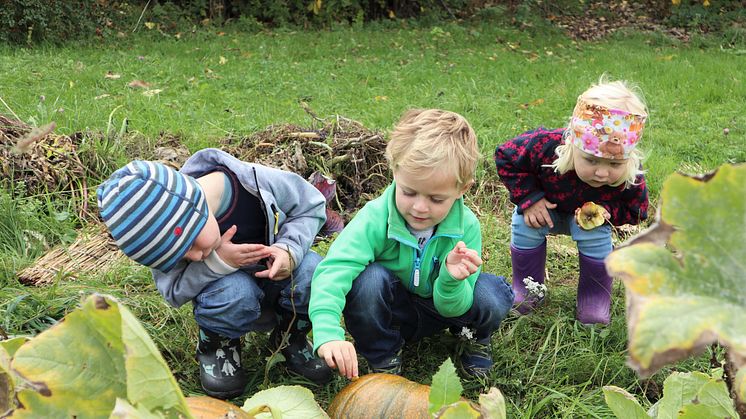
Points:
(420, 205)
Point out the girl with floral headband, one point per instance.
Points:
(551, 173)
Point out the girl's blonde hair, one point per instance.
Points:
(427, 139)
(613, 95)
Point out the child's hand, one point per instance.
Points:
(537, 215)
(341, 355)
(238, 255)
(462, 261)
(278, 264)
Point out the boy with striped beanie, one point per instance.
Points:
(234, 239)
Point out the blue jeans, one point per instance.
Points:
(239, 302)
(381, 314)
(594, 243)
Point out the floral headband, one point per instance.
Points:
(603, 132)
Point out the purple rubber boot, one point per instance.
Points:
(528, 262)
(594, 292)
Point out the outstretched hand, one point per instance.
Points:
(462, 261)
(537, 215)
(341, 355)
(238, 255)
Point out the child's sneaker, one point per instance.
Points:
(476, 359)
(389, 366)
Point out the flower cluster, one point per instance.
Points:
(534, 288)
(466, 333)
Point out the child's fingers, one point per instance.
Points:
(228, 235)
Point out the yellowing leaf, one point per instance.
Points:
(112, 76)
(381, 98)
(681, 302)
(223, 60)
(149, 25)
(152, 92)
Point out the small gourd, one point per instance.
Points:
(204, 407)
(381, 396)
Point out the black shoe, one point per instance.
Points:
(388, 366)
(298, 353)
(476, 359)
(220, 370)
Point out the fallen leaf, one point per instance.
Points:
(223, 60)
(151, 93)
(112, 76)
(138, 84)
(101, 96)
(149, 25)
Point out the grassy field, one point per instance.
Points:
(214, 83)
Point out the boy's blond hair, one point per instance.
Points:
(427, 139)
(618, 94)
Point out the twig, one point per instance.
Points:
(8, 108)
(141, 15)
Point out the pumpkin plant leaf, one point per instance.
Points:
(696, 392)
(286, 402)
(623, 404)
(459, 410)
(681, 273)
(446, 387)
(80, 366)
(124, 410)
(492, 404)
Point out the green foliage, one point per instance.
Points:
(100, 360)
(707, 16)
(685, 395)
(446, 387)
(54, 21)
(681, 301)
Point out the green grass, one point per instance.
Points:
(546, 365)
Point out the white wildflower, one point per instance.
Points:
(534, 288)
(466, 333)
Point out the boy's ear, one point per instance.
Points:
(465, 188)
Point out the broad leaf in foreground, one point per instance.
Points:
(287, 402)
(94, 356)
(686, 275)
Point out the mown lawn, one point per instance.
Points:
(214, 83)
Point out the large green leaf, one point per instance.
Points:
(446, 388)
(685, 275)
(695, 392)
(623, 404)
(96, 354)
(286, 402)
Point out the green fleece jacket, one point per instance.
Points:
(378, 233)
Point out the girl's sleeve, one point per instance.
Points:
(633, 205)
(518, 163)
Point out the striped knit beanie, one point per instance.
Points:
(153, 212)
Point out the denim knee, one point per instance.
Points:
(296, 292)
(595, 243)
(524, 237)
(229, 305)
(493, 298)
(371, 292)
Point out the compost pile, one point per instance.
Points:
(340, 149)
(35, 161)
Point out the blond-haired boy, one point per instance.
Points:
(408, 264)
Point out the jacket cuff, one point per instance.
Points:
(218, 265)
(326, 328)
(531, 199)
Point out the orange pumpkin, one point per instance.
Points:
(381, 396)
(204, 407)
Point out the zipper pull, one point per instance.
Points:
(277, 218)
(417, 277)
